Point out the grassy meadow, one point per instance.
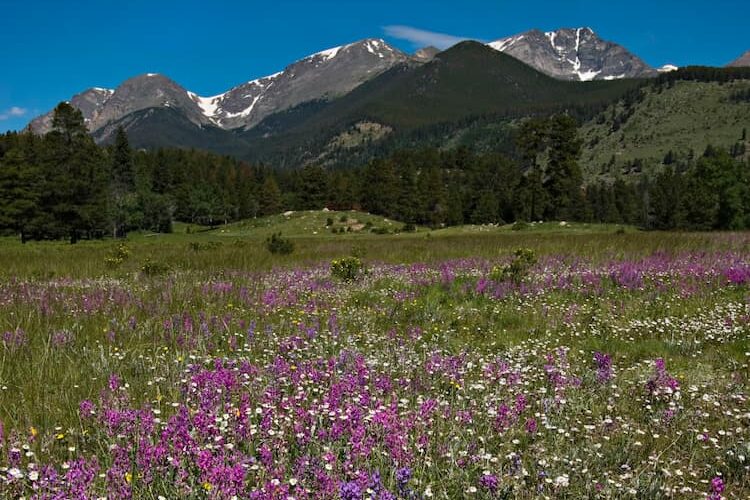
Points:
(602, 362)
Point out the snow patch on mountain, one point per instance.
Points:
(327, 54)
(209, 105)
(573, 54)
(506, 43)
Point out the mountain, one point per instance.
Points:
(466, 82)
(574, 54)
(321, 76)
(426, 54)
(743, 60)
(89, 102)
(151, 90)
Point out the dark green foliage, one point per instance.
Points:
(152, 268)
(198, 246)
(269, 197)
(73, 198)
(64, 186)
(20, 191)
(518, 268)
(347, 269)
(278, 245)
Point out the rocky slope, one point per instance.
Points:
(574, 54)
(320, 76)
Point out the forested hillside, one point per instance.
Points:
(62, 185)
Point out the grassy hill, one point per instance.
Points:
(686, 116)
(312, 223)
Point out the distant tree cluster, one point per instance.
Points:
(63, 185)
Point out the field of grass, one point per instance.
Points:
(604, 363)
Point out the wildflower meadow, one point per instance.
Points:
(521, 366)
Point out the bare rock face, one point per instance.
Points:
(574, 54)
(743, 60)
(90, 102)
(323, 75)
(101, 106)
(426, 54)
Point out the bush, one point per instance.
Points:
(197, 246)
(116, 256)
(520, 226)
(278, 245)
(523, 260)
(329, 221)
(408, 228)
(151, 268)
(379, 230)
(347, 269)
(344, 218)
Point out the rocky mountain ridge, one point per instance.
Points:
(574, 54)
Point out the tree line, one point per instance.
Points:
(63, 185)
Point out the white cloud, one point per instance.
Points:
(422, 38)
(13, 112)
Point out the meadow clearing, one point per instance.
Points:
(600, 362)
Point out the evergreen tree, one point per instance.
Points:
(19, 193)
(564, 177)
(74, 192)
(269, 197)
(123, 207)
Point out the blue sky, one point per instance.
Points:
(54, 49)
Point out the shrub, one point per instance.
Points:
(523, 260)
(344, 218)
(379, 230)
(116, 256)
(278, 245)
(152, 268)
(347, 269)
(409, 228)
(329, 221)
(520, 225)
(197, 246)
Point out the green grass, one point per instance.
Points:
(240, 246)
(689, 116)
(115, 320)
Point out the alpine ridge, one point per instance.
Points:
(320, 76)
(574, 54)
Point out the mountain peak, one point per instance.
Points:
(573, 54)
(743, 60)
(319, 76)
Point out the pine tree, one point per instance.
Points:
(19, 193)
(564, 177)
(269, 197)
(123, 207)
(74, 192)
